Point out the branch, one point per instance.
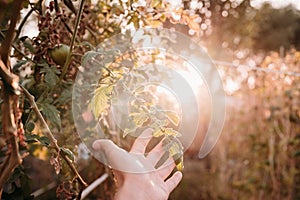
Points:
(18, 50)
(50, 135)
(10, 79)
(6, 44)
(23, 22)
(10, 94)
(68, 60)
(9, 129)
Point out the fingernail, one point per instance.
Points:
(96, 145)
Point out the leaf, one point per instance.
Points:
(179, 164)
(31, 138)
(175, 149)
(44, 140)
(51, 77)
(30, 126)
(155, 3)
(139, 118)
(139, 90)
(173, 117)
(129, 130)
(158, 133)
(100, 99)
(28, 45)
(51, 113)
(88, 57)
(194, 26)
(156, 23)
(173, 145)
(135, 20)
(69, 153)
(66, 96)
(19, 64)
(88, 45)
(158, 123)
(172, 132)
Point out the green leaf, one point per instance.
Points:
(69, 153)
(66, 96)
(30, 126)
(31, 138)
(88, 56)
(44, 140)
(51, 113)
(173, 117)
(19, 64)
(87, 44)
(100, 100)
(28, 45)
(51, 75)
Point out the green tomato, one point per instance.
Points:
(59, 54)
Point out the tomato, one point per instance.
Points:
(59, 54)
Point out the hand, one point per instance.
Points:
(147, 183)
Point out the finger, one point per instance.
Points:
(117, 158)
(111, 154)
(173, 181)
(165, 170)
(141, 142)
(155, 154)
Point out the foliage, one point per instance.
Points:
(268, 164)
(45, 71)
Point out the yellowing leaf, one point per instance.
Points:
(158, 133)
(140, 89)
(129, 130)
(139, 118)
(156, 23)
(179, 165)
(41, 153)
(172, 132)
(173, 117)
(99, 102)
(175, 149)
(194, 26)
(155, 3)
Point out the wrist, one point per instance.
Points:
(131, 189)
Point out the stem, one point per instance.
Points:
(68, 60)
(93, 185)
(50, 135)
(18, 50)
(6, 44)
(10, 98)
(23, 22)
